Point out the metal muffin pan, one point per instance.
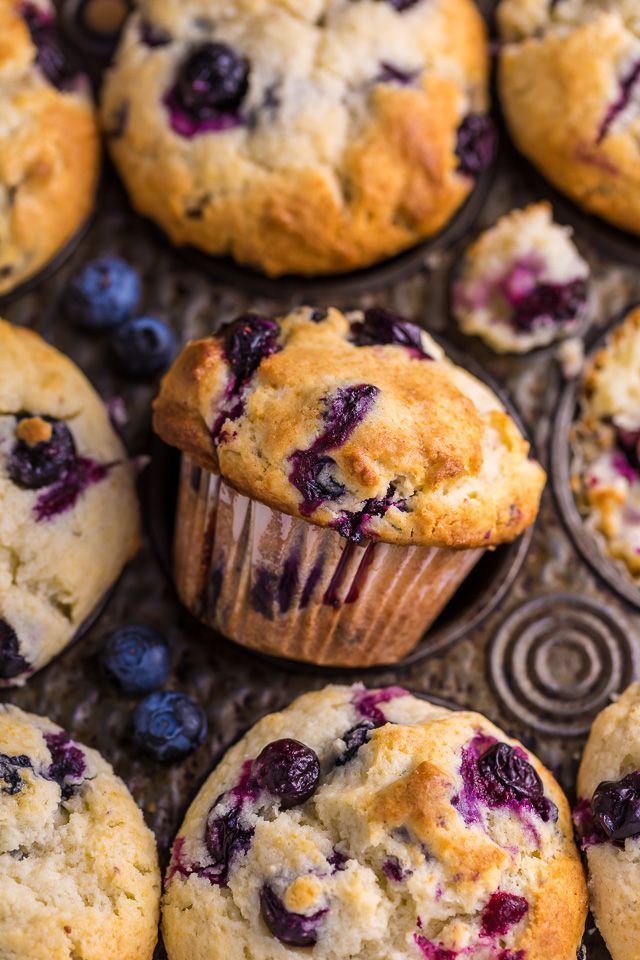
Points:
(558, 629)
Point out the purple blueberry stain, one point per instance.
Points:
(311, 583)
(431, 950)
(65, 492)
(585, 826)
(394, 871)
(12, 663)
(311, 469)
(68, 764)
(293, 929)
(367, 702)
(10, 768)
(289, 771)
(628, 84)
(476, 144)
(497, 775)
(209, 90)
(502, 912)
(381, 327)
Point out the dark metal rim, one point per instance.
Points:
(508, 559)
(560, 458)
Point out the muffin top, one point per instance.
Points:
(78, 867)
(606, 443)
(68, 507)
(522, 283)
(569, 81)
(371, 823)
(300, 136)
(608, 819)
(355, 421)
(49, 146)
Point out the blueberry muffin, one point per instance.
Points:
(606, 446)
(79, 872)
(68, 507)
(569, 82)
(368, 823)
(522, 284)
(304, 137)
(49, 143)
(608, 820)
(340, 477)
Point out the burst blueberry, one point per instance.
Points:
(380, 326)
(50, 57)
(355, 738)
(226, 837)
(136, 658)
(68, 764)
(294, 929)
(247, 341)
(143, 347)
(476, 144)
(289, 771)
(213, 79)
(168, 726)
(35, 463)
(616, 808)
(12, 663)
(104, 294)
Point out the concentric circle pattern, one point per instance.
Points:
(557, 661)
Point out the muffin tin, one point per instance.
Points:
(539, 645)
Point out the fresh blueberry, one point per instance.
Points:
(213, 79)
(294, 929)
(247, 341)
(143, 347)
(380, 326)
(104, 294)
(476, 144)
(289, 770)
(35, 463)
(501, 912)
(355, 738)
(616, 808)
(12, 663)
(225, 838)
(168, 726)
(10, 773)
(136, 658)
(507, 774)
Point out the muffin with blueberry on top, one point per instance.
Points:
(569, 84)
(49, 143)
(79, 871)
(309, 137)
(605, 444)
(369, 823)
(340, 477)
(607, 817)
(68, 508)
(522, 283)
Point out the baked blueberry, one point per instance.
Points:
(313, 476)
(103, 294)
(476, 144)
(502, 911)
(616, 808)
(168, 726)
(355, 738)
(50, 56)
(143, 347)
(294, 929)
(213, 79)
(225, 837)
(547, 302)
(289, 770)
(507, 775)
(247, 341)
(136, 658)
(68, 763)
(629, 443)
(43, 452)
(10, 773)
(380, 326)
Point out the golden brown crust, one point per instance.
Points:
(362, 168)
(49, 156)
(558, 86)
(434, 436)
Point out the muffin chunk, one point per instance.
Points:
(300, 136)
(68, 507)
(49, 144)
(569, 82)
(368, 823)
(78, 867)
(608, 819)
(522, 283)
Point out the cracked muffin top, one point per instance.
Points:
(607, 818)
(79, 873)
(300, 136)
(49, 144)
(569, 81)
(68, 506)
(354, 421)
(369, 823)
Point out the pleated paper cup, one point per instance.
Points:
(285, 587)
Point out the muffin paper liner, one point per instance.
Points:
(285, 587)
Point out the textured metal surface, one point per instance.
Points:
(539, 665)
